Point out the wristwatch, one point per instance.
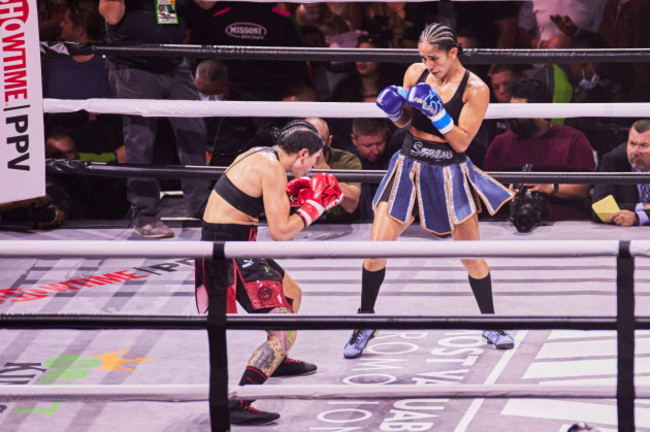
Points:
(556, 187)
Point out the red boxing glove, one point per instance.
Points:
(294, 189)
(324, 194)
(304, 195)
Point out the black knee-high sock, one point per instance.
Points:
(370, 284)
(482, 289)
(252, 375)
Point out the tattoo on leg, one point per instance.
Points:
(286, 337)
(291, 336)
(268, 356)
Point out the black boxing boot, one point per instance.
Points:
(243, 413)
(291, 367)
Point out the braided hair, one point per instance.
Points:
(441, 35)
(297, 135)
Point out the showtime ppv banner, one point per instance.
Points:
(22, 146)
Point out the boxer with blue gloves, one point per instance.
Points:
(443, 106)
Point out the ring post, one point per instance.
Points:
(625, 393)
(218, 393)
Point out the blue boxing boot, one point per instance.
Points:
(357, 343)
(499, 338)
(370, 283)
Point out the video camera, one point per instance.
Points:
(40, 215)
(526, 208)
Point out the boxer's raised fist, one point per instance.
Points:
(324, 194)
(294, 187)
(425, 98)
(391, 100)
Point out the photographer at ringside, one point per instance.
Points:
(526, 208)
(83, 197)
(39, 212)
(549, 148)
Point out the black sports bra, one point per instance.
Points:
(252, 206)
(453, 107)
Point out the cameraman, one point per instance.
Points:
(548, 147)
(84, 197)
(41, 212)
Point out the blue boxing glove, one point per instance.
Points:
(426, 99)
(391, 99)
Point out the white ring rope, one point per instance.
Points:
(187, 108)
(104, 249)
(112, 392)
(199, 392)
(317, 248)
(458, 249)
(393, 391)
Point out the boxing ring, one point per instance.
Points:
(474, 386)
(100, 334)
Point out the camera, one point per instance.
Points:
(526, 208)
(42, 215)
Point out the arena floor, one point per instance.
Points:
(562, 286)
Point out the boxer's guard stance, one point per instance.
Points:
(256, 182)
(431, 174)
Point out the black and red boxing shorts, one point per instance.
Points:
(256, 283)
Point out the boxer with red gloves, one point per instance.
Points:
(256, 183)
(314, 196)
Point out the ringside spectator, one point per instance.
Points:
(631, 156)
(334, 158)
(375, 146)
(227, 137)
(251, 24)
(138, 21)
(85, 197)
(82, 77)
(548, 147)
(624, 25)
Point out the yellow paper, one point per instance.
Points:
(605, 208)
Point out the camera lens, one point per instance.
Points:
(42, 215)
(523, 223)
(525, 219)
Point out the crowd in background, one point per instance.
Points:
(572, 144)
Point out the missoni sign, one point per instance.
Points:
(245, 30)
